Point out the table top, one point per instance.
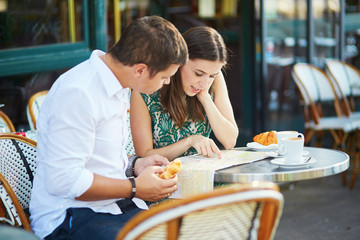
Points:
(328, 162)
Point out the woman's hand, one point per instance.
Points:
(204, 146)
(204, 94)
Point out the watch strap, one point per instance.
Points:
(133, 187)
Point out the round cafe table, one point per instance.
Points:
(328, 162)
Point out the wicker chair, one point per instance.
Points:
(33, 107)
(316, 88)
(6, 122)
(11, 211)
(346, 78)
(239, 211)
(17, 165)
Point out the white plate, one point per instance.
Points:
(259, 147)
(281, 163)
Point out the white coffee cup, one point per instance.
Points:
(292, 149)
(280, 135)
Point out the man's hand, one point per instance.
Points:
(153, 160)
(151, 187)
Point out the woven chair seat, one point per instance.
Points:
(327, 123)
(240, 211)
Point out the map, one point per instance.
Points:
(197, 171)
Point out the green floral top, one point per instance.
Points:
(165, 131)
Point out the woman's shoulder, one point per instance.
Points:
(153, 97)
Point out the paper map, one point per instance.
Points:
(197, 171)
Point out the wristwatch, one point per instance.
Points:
(133, 189)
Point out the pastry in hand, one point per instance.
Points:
(171, 169)
(266, 138)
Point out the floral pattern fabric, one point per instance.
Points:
(165, 131)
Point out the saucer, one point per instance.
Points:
(261, 148)
(281, 163)
(275, 154)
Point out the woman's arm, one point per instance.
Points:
(220, 113)
(141, 131)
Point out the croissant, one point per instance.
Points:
(171, 169)
(266, 138)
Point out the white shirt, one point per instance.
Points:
(82, 130)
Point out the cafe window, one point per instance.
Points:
(326, 15)
(41, 39)
(42, 35)
(352, 33)
(35, 23)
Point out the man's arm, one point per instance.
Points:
(148, 185)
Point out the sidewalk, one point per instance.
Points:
(320, 209)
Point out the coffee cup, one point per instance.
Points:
(292, 149)
(280, 135)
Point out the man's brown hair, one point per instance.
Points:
(153, 41)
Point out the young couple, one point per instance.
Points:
(85, 187)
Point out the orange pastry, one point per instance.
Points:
(171, 169)
(266, 138)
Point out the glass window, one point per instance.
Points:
(285, 43)
(121, 13)
(326, 15)
(45, 35)
(40, 22)
(352, 33)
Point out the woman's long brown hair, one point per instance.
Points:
(203, 43)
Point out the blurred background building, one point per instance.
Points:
(40, 39)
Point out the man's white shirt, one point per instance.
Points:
(82, 130)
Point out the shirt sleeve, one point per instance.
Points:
(70, 137)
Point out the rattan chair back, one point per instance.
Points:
(33, 107)
(318, 86)
(241, 211)
(345, 74)
(11, 212)
(346, 78)
(18, 165)
(6, 122)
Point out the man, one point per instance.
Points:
(80, 189)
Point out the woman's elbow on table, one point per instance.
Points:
(230, 142)
(229, 145)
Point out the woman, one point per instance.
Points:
(177, 119)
